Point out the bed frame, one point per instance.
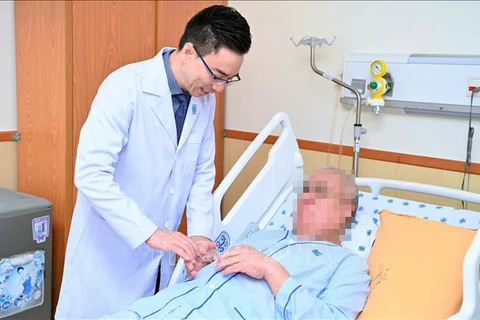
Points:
(275, 182)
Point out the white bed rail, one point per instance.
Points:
(281, 171)
(377, 185)
(471, 287)
(275, 180)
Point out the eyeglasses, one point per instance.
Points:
(216, 79)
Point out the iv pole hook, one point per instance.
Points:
(357, 129)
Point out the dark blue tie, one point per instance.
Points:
(180, 114)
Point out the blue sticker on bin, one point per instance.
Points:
(21, 282)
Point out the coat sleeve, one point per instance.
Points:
(343, 298)
(102, 138)
(200, 200)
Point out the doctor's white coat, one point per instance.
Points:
(132, 178)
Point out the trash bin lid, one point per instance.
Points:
(14, 203)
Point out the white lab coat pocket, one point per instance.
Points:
(110, 254)
(192, 149)
(194, 138)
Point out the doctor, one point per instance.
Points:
(145, 152)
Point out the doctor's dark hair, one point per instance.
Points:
(216, 27)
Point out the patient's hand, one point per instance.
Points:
(244, 259)
(247, 260)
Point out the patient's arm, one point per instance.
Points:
(276, 275)
(247, 260)
(343, 298)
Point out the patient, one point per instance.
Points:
(304, 274)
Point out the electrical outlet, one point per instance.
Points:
(472, 83)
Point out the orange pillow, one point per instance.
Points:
(416, 268)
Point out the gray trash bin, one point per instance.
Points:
(25, 256)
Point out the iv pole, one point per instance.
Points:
(357, 127)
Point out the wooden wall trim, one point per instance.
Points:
(394, 157)
(8, 135)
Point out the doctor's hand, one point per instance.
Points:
(207, 252)
(177, 242)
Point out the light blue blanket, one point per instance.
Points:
(327, 282)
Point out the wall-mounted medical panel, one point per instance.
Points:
(419, 83)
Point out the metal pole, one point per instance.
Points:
(357, 129)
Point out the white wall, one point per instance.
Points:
(8, 100)
(276, 76)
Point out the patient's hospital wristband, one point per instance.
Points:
(284, 294)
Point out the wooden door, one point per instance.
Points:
(44, 111)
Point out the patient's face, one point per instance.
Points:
(324, 207)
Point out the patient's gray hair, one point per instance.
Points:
(347, 182)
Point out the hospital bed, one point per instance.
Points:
(268, 203)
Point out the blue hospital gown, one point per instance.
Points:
(327, 282)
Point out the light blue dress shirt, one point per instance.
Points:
(327, 282)
(180, 99)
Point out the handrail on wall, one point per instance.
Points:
(10, 136)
